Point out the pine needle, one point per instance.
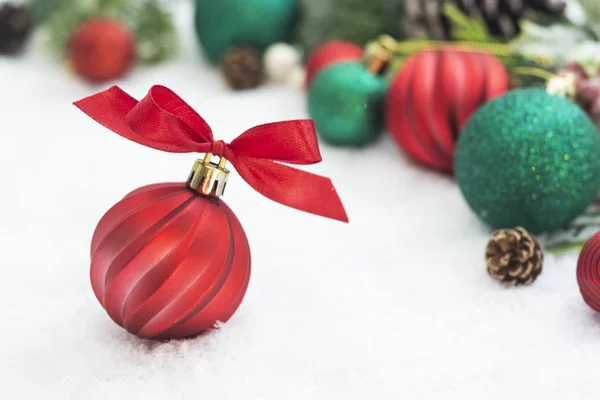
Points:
(466, 28)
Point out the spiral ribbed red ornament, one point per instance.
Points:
(168, 262)
(330, 53)
(433, 95)
(588, 272)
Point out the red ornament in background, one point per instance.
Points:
(433, 95)
(588, 272)
(101, 50)
(329, 53)
(171, 260)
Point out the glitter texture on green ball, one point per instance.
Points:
(346, 103)
(223, 24)
(529, 159)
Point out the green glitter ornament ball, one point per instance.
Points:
(346, 103)
(222, 24)
(528, 159)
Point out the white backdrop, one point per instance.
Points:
(395, 305)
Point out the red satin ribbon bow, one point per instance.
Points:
(163, 121)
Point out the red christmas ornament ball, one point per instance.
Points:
(433, 95)
(101, 50)
(588, 272)
(168, 262)
(329, 53)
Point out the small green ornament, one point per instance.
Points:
(529, 159)
(346, 103)
(222, 24)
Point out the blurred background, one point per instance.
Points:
(396, 303)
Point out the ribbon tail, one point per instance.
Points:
(292, 187)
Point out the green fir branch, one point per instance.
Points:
(466, 28)
(155, 34)
(566, 247)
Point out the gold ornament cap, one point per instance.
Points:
(379, 53)
(209, 178)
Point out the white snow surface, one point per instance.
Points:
(395, 305)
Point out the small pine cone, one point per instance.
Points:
(16, 23)
(242, 68)
(514, 257)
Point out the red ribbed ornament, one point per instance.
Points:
(588, 272)
(432, 97)
(169, 262)
(330, 53)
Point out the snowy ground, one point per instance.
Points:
(395, 305)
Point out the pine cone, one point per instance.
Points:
(242, 68)
(514, 257)
(501, 17)
(16, 24)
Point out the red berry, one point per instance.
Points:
(577, 69)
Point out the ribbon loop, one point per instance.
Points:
(163, 121)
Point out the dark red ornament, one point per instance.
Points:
(588, 272)
(329, 53)
(101, 50)
(433, 95)
(171, 260)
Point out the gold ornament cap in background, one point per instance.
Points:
(379, 53)
(209, 178)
